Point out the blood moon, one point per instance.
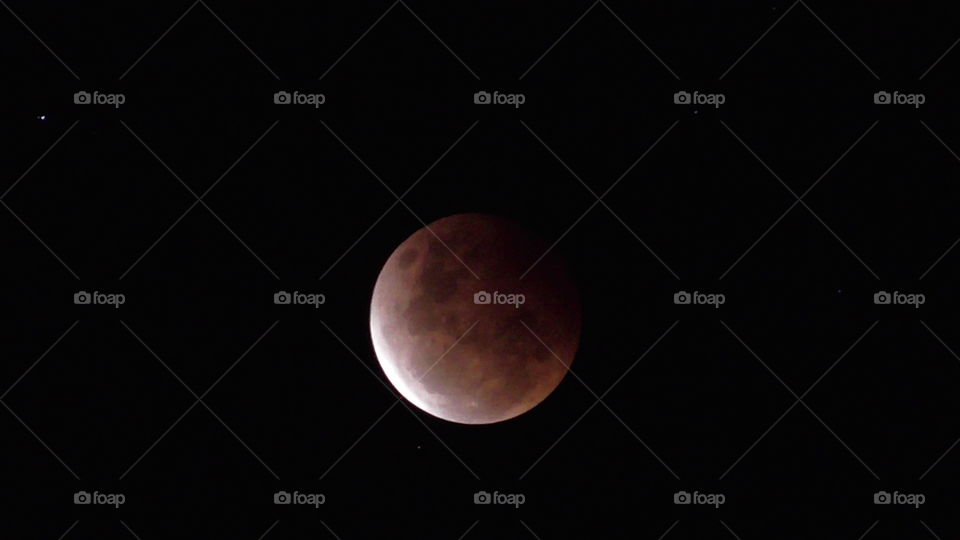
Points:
(474, 319)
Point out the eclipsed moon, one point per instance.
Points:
(474, 319)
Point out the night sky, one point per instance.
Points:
(797, 161)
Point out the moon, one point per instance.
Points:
(474, 319)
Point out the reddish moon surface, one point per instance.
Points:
(463, 355)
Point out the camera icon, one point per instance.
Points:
(881, 497)
(682, 298)
(482, 497)
(881, 98)
(481, 98)
(882, 298)
(681, 497)
(482, 297)
(81, 497)
(82, 298)
(282, 497)
(281, 98)
(282, 298)
(682, 98)
(82, 98)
